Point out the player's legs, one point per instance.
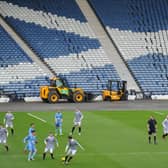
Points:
(26, 148)
(165, 133)
(33, 153)
(79, 127)
(154, 138)
(51, 153)
(12, 129)
(77, 124)
(69, 156)
(10, 125)
(5, 144)
(6, 147)
(149, 136)
(57, 129)
(60, 129)
(29, 148)
(45, 151)
(73, 129)
(3, 141)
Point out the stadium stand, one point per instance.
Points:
(139, 30)
(59, 34)
(19, 75)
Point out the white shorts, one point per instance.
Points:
(9, 125)
(77, 123)
(71, 152)
(165, 130)
(3, 141)
(49, 149)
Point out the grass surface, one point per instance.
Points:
(111, 140)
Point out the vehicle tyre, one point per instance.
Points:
(53, 97)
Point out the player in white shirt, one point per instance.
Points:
(50, 142)
(3, 136)
(8, 121)
(165, 127)
(77, 121)
(71, 149)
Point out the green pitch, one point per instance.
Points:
(111, 140)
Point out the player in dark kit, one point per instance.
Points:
(152, 128)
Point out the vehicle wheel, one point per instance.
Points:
(53, 97)
(78, 97)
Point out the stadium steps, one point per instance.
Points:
(107, 44)
(26, 48)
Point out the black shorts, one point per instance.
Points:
(150, 132)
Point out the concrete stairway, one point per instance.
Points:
(107, 44)
(25, 47)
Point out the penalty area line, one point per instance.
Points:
(38, 118)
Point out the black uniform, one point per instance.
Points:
(152, 126)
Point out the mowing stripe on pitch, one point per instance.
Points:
(100, 154)
(160, 113)
(38, 118)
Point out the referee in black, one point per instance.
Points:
(152, 128)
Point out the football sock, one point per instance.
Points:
(73, 128)
(69, 158)
(60, 130)
(52, 157)
(33, 154)
(79, 129)
(149, 138)
(154, 139)
(164, 135)
(44, 155)
(12, 131)
(29, 155)
(66, 157)
(6, 147)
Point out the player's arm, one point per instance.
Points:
(82, 117)
(80, 146)
(45, 141)
(30, 131)
(25, 139)
(56, 141)
(4, 119)
(156, 127)
(148, 127)
(163, 124)
(55, 119)
(67, 147)
(7, 133)
(13, 117)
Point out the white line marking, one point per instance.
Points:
(160, 113)
(38, 118)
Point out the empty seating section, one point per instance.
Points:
(59, 34)
(61, 8)
(19, 75)
(139, 30)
